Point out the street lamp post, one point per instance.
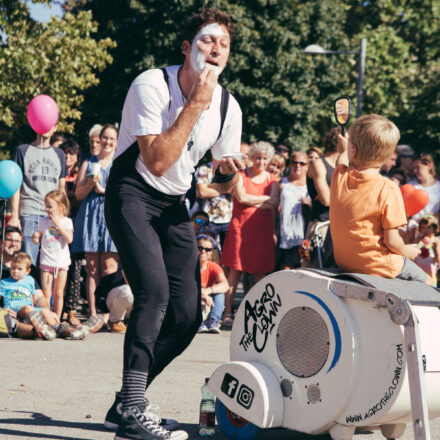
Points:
(314, 49)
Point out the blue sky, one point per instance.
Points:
(42, 12)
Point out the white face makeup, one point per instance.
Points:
(198, 58)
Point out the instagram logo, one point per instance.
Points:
(245, 396)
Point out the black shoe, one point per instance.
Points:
(140, 425)
(113, 417)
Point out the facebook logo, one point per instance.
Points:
(229, 385)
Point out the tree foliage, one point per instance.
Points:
(59, 58)
(286, 95)
(402, 64)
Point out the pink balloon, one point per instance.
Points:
(42, 113)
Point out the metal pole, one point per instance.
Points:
(360, 79)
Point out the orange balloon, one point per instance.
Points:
(414, 199)
(407, 189)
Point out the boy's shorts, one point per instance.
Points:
(411, 272)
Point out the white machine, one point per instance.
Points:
(316, 352)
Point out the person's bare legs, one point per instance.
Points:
(25, 331)
(233, 279)
(46, 284)
(51, 318)
(93, 277)
(108, 263)
(58, 292)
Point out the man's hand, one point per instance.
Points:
(203, 88)
(230, 166)
(14, 221)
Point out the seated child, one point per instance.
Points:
(366, 209)
(214, 283)
(18, 292)
(429, 245)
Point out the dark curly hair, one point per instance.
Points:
(331, 140)
(206, 16)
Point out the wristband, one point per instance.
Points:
(212, 290)
(221, 178)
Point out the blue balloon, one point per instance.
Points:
(11, 178)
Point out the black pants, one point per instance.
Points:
(157, 248)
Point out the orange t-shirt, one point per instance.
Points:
(209, 276)
(361, 207)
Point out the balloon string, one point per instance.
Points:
(5, 201)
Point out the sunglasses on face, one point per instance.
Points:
(302, 164)
(199, 221)
(201, 249)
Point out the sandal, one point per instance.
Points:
(228, 320)
(73, 319)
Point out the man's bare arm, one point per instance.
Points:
(204, 191)
(160, 152)
(15, 207)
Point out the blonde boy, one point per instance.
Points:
(366, 209)
(18, 296)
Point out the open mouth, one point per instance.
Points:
(212, 63)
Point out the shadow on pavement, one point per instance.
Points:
(39, 419)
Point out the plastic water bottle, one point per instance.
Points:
(207, 412)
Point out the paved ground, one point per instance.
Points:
(62, 389)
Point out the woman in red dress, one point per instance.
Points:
(250, 241)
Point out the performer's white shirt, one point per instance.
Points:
(148, 111)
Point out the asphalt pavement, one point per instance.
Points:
(62, 389)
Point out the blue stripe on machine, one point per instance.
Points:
(335, 326)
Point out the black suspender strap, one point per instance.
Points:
(165, 77)
(223, 109)
(223, 104)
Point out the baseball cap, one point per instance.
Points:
(404, 151)
(282, 148)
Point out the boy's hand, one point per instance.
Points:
(36, 236)
(411, 252)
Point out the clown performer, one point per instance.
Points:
(171, 118)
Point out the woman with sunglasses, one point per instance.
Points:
(214, 284)
(250, 241)
(293, 196)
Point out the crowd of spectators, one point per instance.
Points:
(267, 223)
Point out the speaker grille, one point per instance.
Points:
(303, 341)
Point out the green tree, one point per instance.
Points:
(403, 61)
(286, 96)
(59, 58)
